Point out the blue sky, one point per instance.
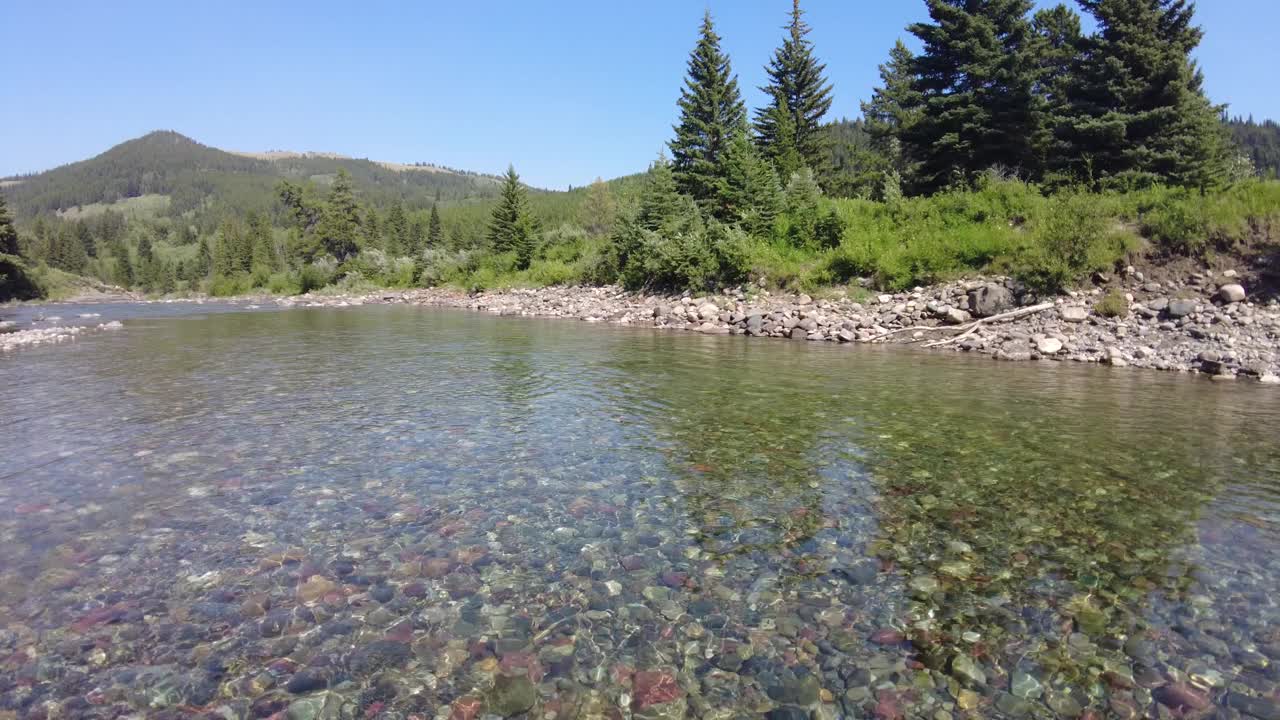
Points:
(566, 90)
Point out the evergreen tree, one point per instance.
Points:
(8, 233)
(263, 257)
(789, 129)
(754, 196)
(660, 201)
(435, 231)
(397, 231)
(372, 227)
(203, 264)
(513, 226)
(229, 256)
(339, 227)
(1057, 45)
(711, 115)
(1137, 110)
(976, 79)
(599, 210)
(417, 237)
(894, 108)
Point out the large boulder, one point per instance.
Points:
(990, 300)
(1073, 313)
(1231, 293)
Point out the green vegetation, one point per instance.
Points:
(1112, 305)
(1013, 143)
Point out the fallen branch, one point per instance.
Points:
(973, 327)
(967, 328)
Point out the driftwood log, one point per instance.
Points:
(966, 329)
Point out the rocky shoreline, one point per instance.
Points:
(1206, 323)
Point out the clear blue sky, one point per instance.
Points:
(567, 90)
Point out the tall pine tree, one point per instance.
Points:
(976, 78)
(1057, 45)
(398, 240)
(8, 233)
(711, 116)
(435, 231)
(1137, 110)
(789, 129)
(513, 226)
(894, 107)
(339, 226)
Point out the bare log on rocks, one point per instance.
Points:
(972, 327)
(967, 328)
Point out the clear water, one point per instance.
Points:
(402, 512)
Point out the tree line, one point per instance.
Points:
(997, 92)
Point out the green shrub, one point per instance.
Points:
(230, 285)
(1113, 305)
(1073, 235)
(316, 275)
(284, 283)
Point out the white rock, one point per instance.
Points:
(1269, 379)
(1231, 293)
(1049, 346)
(1073, 313)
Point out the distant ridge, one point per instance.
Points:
(196, 177)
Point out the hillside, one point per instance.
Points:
(1260, 141)
(198, 179)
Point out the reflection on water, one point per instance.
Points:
(389, 512)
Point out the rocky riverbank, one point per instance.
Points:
(1205, 322)
(1208, 324)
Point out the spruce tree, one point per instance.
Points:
(264, 257)
(1137, 113)
(372, 231)
(754, 195)
(893, 109)
(1057, 46)
(660, 201)
(513, 227)
(339, 226)
(398, 241)
(204, 261)
(226, 250)
(976, 78)
(711, 115)
(789, 129)
(435, 231)
(8, 233)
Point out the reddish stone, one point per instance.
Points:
(436, 567)
(101, 616)
(1181, 696)
(887, 636)
(374, 709)
(518, 663)
(30, 508)
(579, 507)
(674, 579)
(401, 632)
(654, 687)
(415, 590)
(622, 673)
(887, 707)
(466, 708)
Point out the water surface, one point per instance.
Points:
(398, 512)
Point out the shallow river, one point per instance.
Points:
(389, 512)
